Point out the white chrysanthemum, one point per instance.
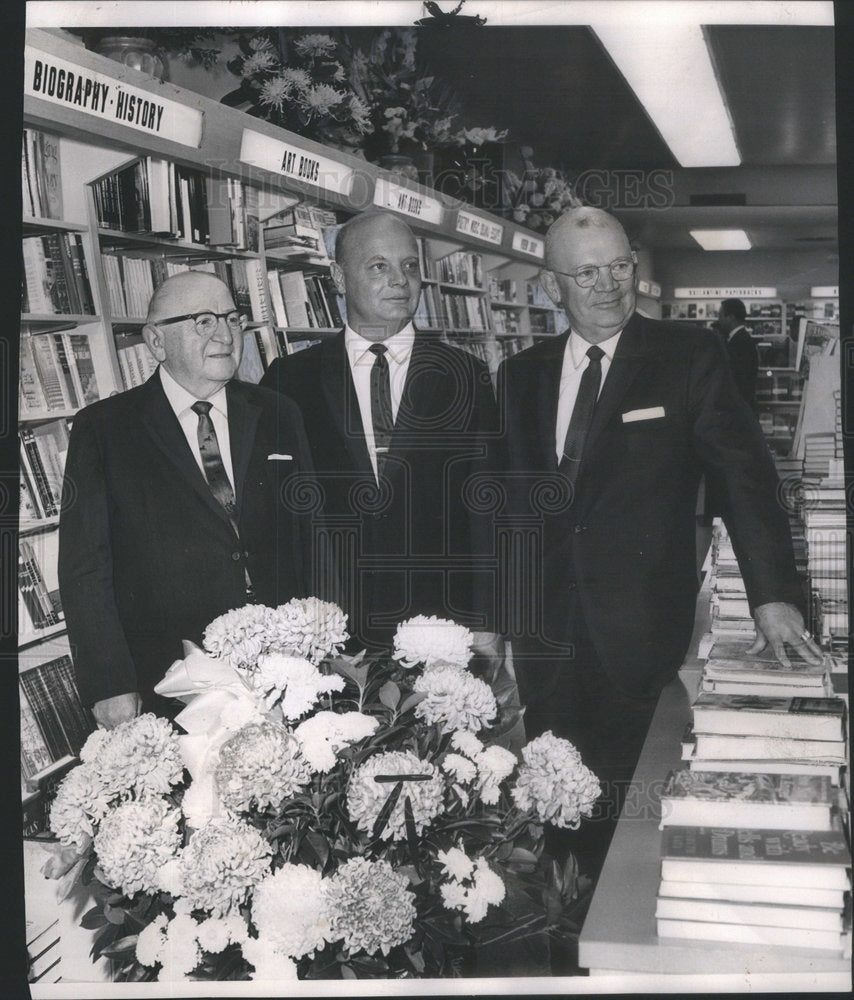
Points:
(325, 733)
(289, 911)
(223, 860)
(370, 906)
(310, 628)
(141, 755)
(180, 953)
(295, 681)
(135, 840)
(467, 743)
(366, 796)
(296, 77)
(261, 61)
(484, 889)
(361, 115)
(149, 944)
(320, 100)
(90, 749)
(457, 864)
(459, 767)
(455, 699)
(430, 640)
(315, 45)
(494, 765)
(260, 766)
(240, 636)
(275, 92)
(217, 933)
(81, 802)
(555, 783)
(270, 965)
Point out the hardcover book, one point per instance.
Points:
(764, 914)
(789, 937)
(803, 718)
(767, 801)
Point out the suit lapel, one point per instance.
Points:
(548, 393)
(629, 359)
(162, 425)
(340, 394)
(424, 378)
(242, 423)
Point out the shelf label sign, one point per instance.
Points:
(401, 199)
(649, 288)
(824, 291)
(725, 293)
(482, 229)
(61, 82)
(529, 244)
(296, 163)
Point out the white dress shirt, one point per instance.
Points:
(398, 353)
(575, 360)
(182, 401)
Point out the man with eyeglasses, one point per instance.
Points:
(608, 428)
(173, 505)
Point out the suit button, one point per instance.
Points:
(578, 528)
(235, 556)
(570, 586)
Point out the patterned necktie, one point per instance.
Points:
(582, 414)
(381, 412)
(212, 459)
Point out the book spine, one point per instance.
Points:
(39, 473)
(65, 370)
(47, 366)
(35, 755)
(80, 351)
(80, 273)
(37, 694)
(49, 175)
(31, 390)
(48, 615)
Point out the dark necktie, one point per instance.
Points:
(582, 414)
(212, 459)
(381, 412)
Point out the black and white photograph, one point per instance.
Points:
(432, 544)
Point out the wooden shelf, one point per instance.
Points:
(38, 323)
(151, 245)
(37, 226)
(41, 416)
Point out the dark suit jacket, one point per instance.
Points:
(414, 545)
(147, 557)
(627, 539)
(744, 363)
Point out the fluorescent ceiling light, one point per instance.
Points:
(721, 239)
(670, 70)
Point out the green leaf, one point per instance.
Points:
(412, 700)
(390, 695)
(522, 856)
(320, 845)
(92, 919)
(124, 946)
(114, 914)
(348, 973)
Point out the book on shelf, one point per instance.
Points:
(43, 449)
(796, 718)
(136, 362)
(51, 690)
(737, 892)
(297, 234)
(37, 580)
(55, 277)
(789, 937)
(820, 918)
(748, 799)
(805, 859)
(502, 290)
(35, 755)
(232, 213)
(428, 315)
(41, 179)
(461, 267)
(466, 312)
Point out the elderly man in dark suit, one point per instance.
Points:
(608, 428)
(399, 426)
(173, 507)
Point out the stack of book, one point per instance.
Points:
(43, 450)
(303, 301)
(819, 449)
(730, 670)
(39, 604)
(41, 185)
(730, 609)
(825, 529)
(297, 235)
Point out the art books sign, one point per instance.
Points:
(401, 199)
(296, 163)
(65, 83)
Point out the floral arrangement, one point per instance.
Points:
(540, 195)
(323, 816)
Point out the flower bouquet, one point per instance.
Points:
(323, 816)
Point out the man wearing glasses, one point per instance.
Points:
(607, 430)
(173, 508)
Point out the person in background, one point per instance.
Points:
(173, 508)
(607, 430)
(740, 348)
(399, 425)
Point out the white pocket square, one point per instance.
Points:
(280, 458)
(650, 413)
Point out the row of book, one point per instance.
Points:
(709, 309)
(299, 234)
(39, 602)
(55, 275)
(464, 312)
(502, 290)
(136, 362)
(461, 267)
(303, 300)
(41, 182)
(505, 320)
(428, 316)
(43, 448)
(753, 842)
(54, 722)
(57, 372)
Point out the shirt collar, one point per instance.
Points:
(577, 347)
(181, 400)
(399, 346)
(735, 330)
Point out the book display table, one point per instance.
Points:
(619, 934)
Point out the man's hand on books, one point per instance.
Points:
(110, 712)
(778, 623)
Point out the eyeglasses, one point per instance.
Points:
(207, 322)
(586, 277)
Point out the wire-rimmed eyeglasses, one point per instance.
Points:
(207, 321)
(586, 277)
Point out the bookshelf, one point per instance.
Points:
(112, 206)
